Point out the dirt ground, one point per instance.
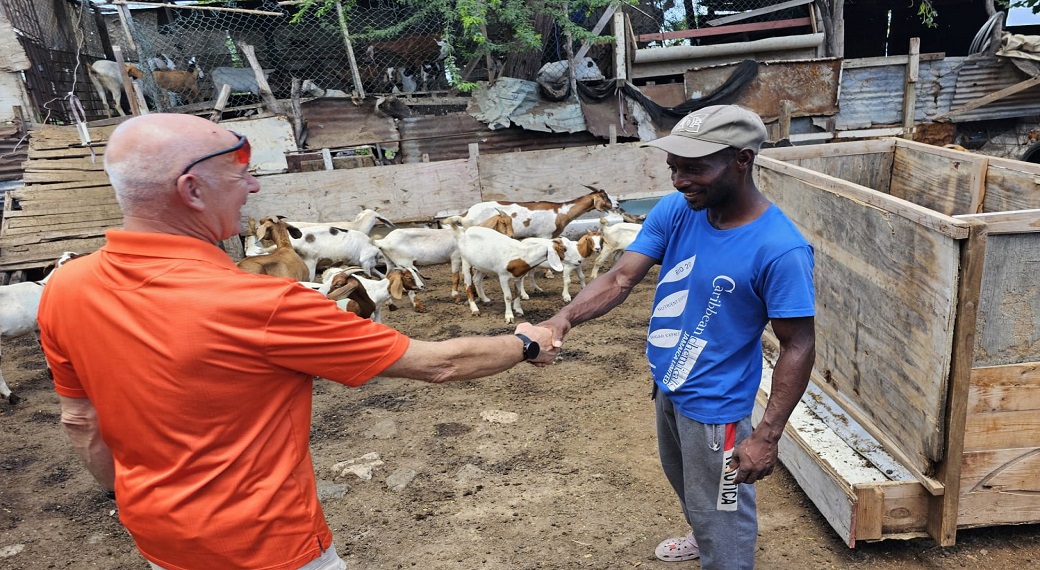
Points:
(531, 468)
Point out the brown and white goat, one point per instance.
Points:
(410, 248)
(346, 286)
(283, 261)
(539, 219)
(107, 78)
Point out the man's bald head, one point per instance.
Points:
(145, 155)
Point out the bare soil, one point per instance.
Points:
(531, 468)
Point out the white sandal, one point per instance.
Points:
(678, 549)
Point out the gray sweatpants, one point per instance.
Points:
(721, 514)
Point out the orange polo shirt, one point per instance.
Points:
(202, 375)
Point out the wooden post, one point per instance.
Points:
(943, 510)
(124, 18)
(350, 51)
(786, 110)
(222, 99)
(117, 51)
(620, 53)
(265, 90)
(910, 88)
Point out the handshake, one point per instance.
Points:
(545, 342)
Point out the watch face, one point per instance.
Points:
(531, 350)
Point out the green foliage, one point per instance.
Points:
(927, 13)
(477, 28)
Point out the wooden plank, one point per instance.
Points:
(759, 12)
(1020, 222)
(873, 170)
(1006, 470)
(52, 137)
(910, 88)
(551, 174)
(998, 430)
(1011, 387)
(1011, 185)
(405, 192)
(977, 185)
(938, 181)
(870, 510)
(988, 509)
(946, 225)
(837, 150)
(76, 164)
(905, 511)
(942, 511)
(71, 177)
(1007, 331)
(885, 287)
(882, 61)
(723, 30)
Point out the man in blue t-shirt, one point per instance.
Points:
(731, 262)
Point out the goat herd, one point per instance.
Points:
(504, 240)
(500, 239)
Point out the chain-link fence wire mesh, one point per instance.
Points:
(656, 16)
(60, 40)
(393, 51)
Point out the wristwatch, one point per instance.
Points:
(531, 348)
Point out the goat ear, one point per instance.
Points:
(555, 263)
(294, 232)
(343, 292)
(396, 286)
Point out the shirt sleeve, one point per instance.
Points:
(66, 381)
(788, 289)
(309, 333)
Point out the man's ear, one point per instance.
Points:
(189, 190)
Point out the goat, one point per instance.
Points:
(332, 244)
(570, 254)
(539, 219)
(363, 222)
(489, 252)
(347, 288)
(283, 261)
(19, 303)
(411, 247)
(616, 237)
(107, 77)
(396, 283)
(180, 82)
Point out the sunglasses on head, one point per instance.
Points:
(241, 149)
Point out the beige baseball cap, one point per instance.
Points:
(711, 129)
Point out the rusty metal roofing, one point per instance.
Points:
(873, 96)
(449, 136)
(13, 153)
(338, 122)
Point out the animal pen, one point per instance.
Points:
(922, 415)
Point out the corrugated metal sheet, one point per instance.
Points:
(873, 96)
(811, 84)
(978, 78)
(449, 136)
(512, 101)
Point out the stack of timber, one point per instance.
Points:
(66, 203)
(922, 416)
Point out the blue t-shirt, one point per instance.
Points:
(716, 292)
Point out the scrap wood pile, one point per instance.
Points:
(66, 203)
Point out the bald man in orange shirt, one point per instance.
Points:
(185, 383)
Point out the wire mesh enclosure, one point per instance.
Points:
(662, 16)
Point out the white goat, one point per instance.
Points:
(616, 238)
(538, 219)
(489, 252)
(107, 78)
(571, 256)
(411, 248)
(19, 303)
(396, 283)
(318, 243)
(363, 222)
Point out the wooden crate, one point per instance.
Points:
(928, 349)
